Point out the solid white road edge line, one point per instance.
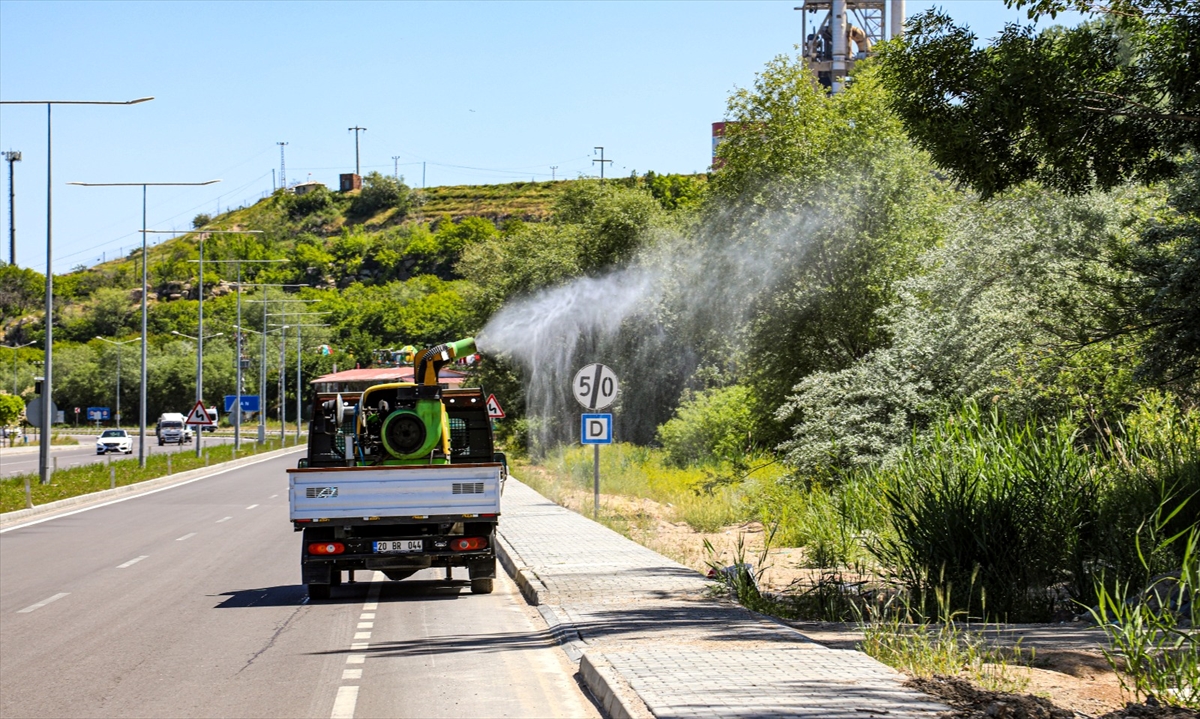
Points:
(44, 602)
(135, 495)
(132, 562)
(343, 703)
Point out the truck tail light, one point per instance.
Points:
(326, 548)
(468, 544)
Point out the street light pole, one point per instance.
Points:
(14, 349)
(199, 340)
(145, 290)
(48, 370)
(118, 346)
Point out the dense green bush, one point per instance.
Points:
(989, 513)
(379, 193)
(710, 427)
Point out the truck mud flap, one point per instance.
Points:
(485, 569)
(317, 573)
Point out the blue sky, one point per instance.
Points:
(482, 92)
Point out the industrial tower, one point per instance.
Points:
(832, 25)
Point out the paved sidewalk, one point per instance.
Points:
(651, 642)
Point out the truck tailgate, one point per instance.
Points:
(392, 491)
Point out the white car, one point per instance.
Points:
(114, 440)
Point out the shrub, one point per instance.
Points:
(709, 427)
(310, 203)
(989, 512)
(201, 220)
(380, 193)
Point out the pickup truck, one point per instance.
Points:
(401, 478)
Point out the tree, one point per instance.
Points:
(822, 204)
(1112, 100)
(201, 220)
(11, 407)
(381, 192)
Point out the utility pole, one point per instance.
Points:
(282, 167)
(12, 157)
(601, 161)
(396, 166)
(553, 172)
(422, 174)
(356, 129)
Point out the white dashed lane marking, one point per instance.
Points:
(132, 562)
(252, 506)
(343, 703)
(224, 519)
(351, 674)
(362, 635)
(186, 537)
(356, 658)
(44, 602)
(366, 625)
(273, 496)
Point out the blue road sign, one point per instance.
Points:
(97, 414)
(249, 402)
(595, 428)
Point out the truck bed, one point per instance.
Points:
(395, 491)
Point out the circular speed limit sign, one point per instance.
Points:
(595, 386)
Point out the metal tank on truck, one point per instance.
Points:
(400, 478)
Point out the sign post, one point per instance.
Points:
(595, 387)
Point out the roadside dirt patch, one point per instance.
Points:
(971, 702)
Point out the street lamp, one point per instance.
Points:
(14, 349)
(237, 416)
(199, 340)
(48, 373)
(118, 346)
(262, 372)
(299, 352)
(145, 264)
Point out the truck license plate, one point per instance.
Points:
(400, 545)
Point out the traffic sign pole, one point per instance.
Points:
(595, 387)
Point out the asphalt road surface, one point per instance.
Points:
(186, 603)
(24, 461)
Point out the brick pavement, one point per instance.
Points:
(654, 642)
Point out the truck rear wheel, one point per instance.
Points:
(481, 586)
(318, 592)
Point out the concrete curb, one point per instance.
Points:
(33, 448)
(527, 581)
(14, 517)
(617, 698)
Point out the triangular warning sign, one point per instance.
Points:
(198, 416)
(493, 408)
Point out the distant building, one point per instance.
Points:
(350, 181)
(306, 187)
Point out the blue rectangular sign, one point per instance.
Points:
(249, 402)
(97, 414)
(595, 428)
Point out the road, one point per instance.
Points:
(12, 463)
(186, 603)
